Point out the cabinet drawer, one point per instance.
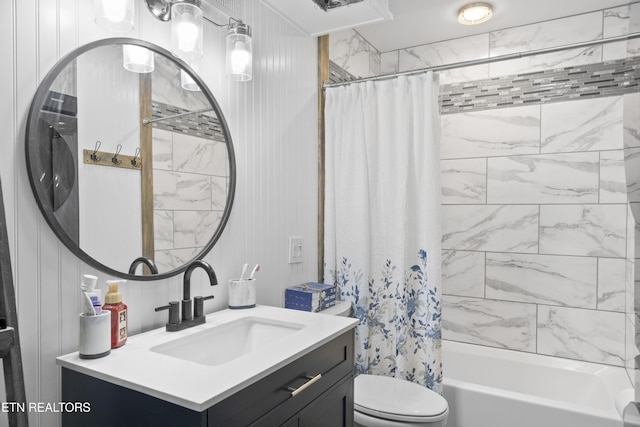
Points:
(333, 408)
(273, 395)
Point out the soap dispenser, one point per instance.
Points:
(113, 303)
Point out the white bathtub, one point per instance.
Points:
(489, 387)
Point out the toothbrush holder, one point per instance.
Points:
(94, 335)
(242, 293)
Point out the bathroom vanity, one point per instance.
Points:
(265, 366)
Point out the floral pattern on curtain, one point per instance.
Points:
(382, 222)
(400, 318)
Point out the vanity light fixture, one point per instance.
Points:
(186, 81)
(137, 59)
(114, 15)
(239, 57)
(186, 32)
(475, 13)
(186, 40)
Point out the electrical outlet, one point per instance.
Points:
(295, 249)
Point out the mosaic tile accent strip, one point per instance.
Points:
(203, 125)
(609, 78)
(338, 74)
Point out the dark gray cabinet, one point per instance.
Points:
(315, 390)
(334, 408)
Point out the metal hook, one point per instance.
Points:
(114, 159)
(135, 162)
(94, 156)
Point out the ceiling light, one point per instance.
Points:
(475, 13)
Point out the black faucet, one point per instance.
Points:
(191, 316)
(143, 260)
(186, 283)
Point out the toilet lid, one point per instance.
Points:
(396, 399)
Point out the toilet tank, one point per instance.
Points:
(341, 308)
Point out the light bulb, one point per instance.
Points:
(186, 81)
(186, 31)
(115, 10)
(239, 57)
(137, 59)
(115, 15)
(239, 52)
(187, 36)
(475, 13)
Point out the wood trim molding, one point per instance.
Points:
(323, 76)
(146, 171)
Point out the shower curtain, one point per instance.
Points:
(382, 221)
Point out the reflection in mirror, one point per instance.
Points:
(125, 163)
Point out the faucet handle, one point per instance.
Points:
(198, 309)
(187, 309)
(174, 312)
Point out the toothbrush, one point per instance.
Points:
(244, 271)
(256, 268)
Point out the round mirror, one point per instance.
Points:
(130, 159)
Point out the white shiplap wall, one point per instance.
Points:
(273, 125)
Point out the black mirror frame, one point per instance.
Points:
(39, 195)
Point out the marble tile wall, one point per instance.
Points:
(589, 26)
(353, 54)
(538, 237)
(631, 138)
(190, 179)
(535, 229)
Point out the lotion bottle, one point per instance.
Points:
(113, 303)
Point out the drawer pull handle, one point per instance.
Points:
(294, 391)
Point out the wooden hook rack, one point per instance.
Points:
(103, 158)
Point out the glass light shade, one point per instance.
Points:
(186, 31)
(239, 58)
(137, 59)
(186, 81)
(114, 15)
(475, 13)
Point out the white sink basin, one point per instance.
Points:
(200, 366)
(221, 344)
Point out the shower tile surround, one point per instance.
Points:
(202, 177)
(538, 237)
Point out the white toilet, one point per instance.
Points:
(391, 402)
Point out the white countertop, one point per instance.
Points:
(196, 386)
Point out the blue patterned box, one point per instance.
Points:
(310, 297)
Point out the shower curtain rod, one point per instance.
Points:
(147, 121)
(487, 60)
